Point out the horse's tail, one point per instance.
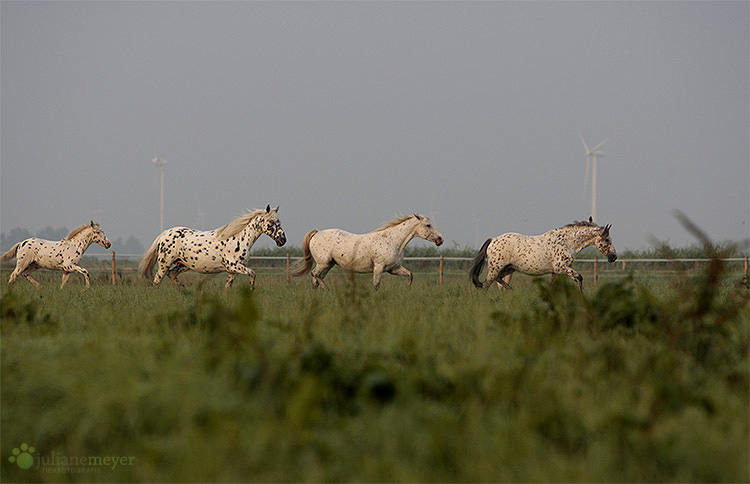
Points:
(478, 263)
(306, 263)
(10, 254)
(148, 260)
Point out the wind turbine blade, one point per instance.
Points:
(583, 142)
(599, 145)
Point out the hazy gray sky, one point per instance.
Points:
(347, 113)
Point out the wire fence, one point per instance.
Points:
(119, 267)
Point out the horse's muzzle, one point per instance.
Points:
(281, 241)
(611, 257)
(439, 241)
(107, 245)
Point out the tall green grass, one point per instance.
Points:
(635, 380)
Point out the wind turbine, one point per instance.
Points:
(591, 157)
(159, 163)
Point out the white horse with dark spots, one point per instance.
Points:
(64, 255)
(377, 252)
(224, 249)
(550, 253)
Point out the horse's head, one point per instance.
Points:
(427, 231)
(99, 236)
(271, 225)
(604, 244)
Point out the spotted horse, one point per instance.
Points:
(224, 249)
(551, 252)
(64, 255)
(379, 251)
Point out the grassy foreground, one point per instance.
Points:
(625, 382)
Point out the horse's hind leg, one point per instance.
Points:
(503, 282)
(13, 275)
(319, 272)
(496, 273)
(28, 270)
(161, 271)
(176, 271)
(22, 269)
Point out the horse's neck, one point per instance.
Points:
(577, 240)
(402, 233)
(83, 240)
(251, 233)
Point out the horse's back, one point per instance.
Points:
(526, 253)
(46, 253)
(348, 250)
(328, 240)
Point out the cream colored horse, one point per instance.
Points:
(549, 253)
(32, 254)
(377, 252)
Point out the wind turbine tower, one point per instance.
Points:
(159, 163)
(591, 157)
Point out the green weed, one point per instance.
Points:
(634, 381)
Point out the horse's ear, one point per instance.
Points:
(591, 220)
(92, 223)
(276, 209)
(605, 232)
(419, 217)
(268, 208)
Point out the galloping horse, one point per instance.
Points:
(33, 253)
(224, 249)
(552, 252)
(376, 252)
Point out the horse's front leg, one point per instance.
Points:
(576, 276)
(377, 274)
(234, 268)
(74, 268)
(402, 271)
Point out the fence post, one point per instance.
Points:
(596, 270)
(746, 277)
(288, 274)
(113, 267)
(441, 269)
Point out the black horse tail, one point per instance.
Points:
(478, 264)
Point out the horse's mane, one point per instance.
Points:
(394, 222)
(77, 231)
(583, 223)
(237, 225)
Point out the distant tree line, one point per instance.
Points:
(129, 246)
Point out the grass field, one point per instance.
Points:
(634, 380)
